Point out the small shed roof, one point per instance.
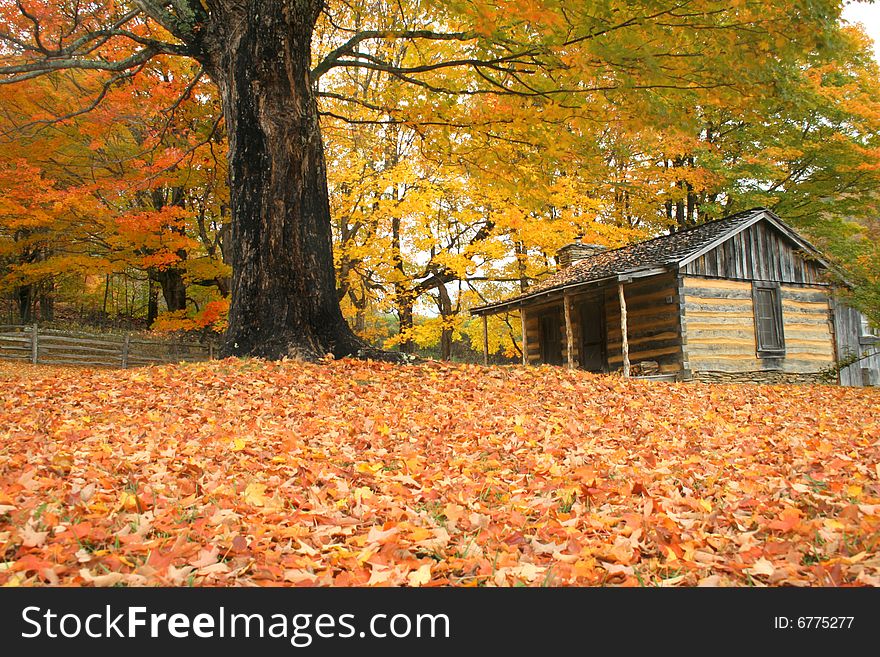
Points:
(652, 256)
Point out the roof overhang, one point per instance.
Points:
(762, 214)
(541, 295)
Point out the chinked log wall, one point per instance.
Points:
(719, 323)
(55, 347)
(652, 324)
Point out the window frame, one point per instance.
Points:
(763, 348)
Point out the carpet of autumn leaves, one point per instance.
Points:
(361, 473)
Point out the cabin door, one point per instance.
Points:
(551, 338)
(592, 351)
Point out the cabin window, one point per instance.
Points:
(768, 320)
(868, 330)
(551, 339)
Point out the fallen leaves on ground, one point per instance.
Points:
(362, 473)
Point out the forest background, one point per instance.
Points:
(114, 203)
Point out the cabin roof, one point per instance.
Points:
(652, 256)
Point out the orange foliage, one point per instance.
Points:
(223, 473)
(213, 315)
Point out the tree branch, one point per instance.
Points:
(17, 73)
(349, 46)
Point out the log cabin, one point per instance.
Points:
(741, 299)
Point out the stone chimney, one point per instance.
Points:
(575, 252)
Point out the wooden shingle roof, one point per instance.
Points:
(649, 256)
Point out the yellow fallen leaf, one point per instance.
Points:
(420, 576)
(362, 493)
(128, 501)
(420, 534)
(255, 494)
(15, 580)
(238, 444)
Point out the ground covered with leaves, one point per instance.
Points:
(354, 473)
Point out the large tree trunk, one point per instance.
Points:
(284, 300)
(173, 287)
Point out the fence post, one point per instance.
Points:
(125, 350)
(34, 347)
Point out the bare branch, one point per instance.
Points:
(17, 73)
(349, 46)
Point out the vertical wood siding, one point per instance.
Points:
(759, 252)
(848, 336)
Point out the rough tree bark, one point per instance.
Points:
(284, 300)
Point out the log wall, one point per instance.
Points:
(533, 336)
(719, 328)
(533, 331)
(653, 327)
(652, 323)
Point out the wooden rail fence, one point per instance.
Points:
(57, 347)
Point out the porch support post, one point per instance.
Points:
(485, 340)
(624, 340)
(569, 332)
(525, 338)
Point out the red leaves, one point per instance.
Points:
(352, 473)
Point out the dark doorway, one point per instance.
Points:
(592, 351)
(551, 339)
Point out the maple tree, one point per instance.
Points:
(111, 193)
(545, 64)
(223, 473)
(646, 165)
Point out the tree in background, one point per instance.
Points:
(466, 141)
(128, 190)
